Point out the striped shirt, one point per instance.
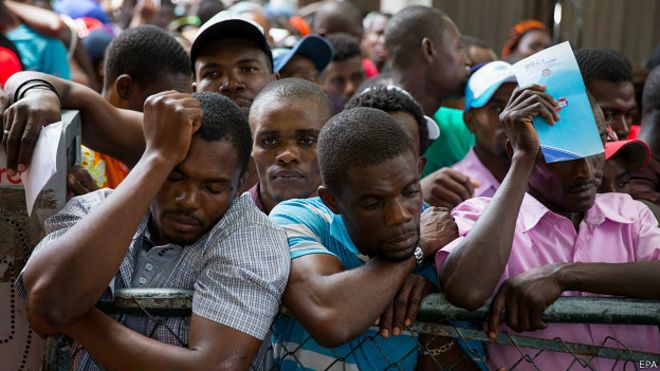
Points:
(238, 271)
(313, 229)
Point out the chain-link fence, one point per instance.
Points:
(443, 338)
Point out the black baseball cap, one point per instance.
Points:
(227, 24)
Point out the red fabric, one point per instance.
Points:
(369, 68)
(9, 64)
(300, 25)
(517, 32)
(634, 132)
(638, 151)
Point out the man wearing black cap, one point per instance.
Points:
(230, 56)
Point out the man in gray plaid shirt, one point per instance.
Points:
(176, 221)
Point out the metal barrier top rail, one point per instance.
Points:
(435, 311)
(567, 309)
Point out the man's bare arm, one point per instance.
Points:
(105, 128)
(486, 249)
(637, 280)
(115, 347)
(335, 305)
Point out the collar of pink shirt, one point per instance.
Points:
(606, 207)
(254, 195)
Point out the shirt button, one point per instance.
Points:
(148, 267)
(142, 280)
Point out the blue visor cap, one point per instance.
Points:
(485, 81)
(314, 47)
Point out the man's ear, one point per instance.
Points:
(468, 118)
(328, 199)
(123, 86)
(421, 162)
(241, 181)
(427, 49)
(100, 70)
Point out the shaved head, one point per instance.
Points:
(334, 17)
(407, 28)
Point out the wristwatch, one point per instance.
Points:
(419, 255)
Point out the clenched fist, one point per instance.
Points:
(170, 120)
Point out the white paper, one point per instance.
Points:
(43, 165)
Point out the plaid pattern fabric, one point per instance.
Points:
(238, 272)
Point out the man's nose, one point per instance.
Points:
(231, 82)
(288, 155)
(397, 213)
(188, 197)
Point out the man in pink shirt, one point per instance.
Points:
(486, 94)
(546, 233)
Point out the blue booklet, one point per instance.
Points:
(575, 135)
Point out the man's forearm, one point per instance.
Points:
(637, 280)
(212, 346)
(343, 305)
(68, 277)
(44, 21)
(62, 86)
(105, 128)
(473, 269)
(116, 347)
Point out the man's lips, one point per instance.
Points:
(403, 239)
(581, 187)
(183, 221)
(381, 53)
(287, 175)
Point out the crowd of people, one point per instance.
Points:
(339, 165)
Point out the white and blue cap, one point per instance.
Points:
(485, 81)
(314, 47)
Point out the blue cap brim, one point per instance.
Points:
(316, 48)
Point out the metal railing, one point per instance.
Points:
(436, 321)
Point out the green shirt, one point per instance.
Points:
(453, 144)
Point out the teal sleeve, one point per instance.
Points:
(453, 144)
(305, 223)
(55, 60)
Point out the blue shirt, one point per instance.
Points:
(312, 228)
(40, 53)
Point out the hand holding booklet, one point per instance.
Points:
(575, 135)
